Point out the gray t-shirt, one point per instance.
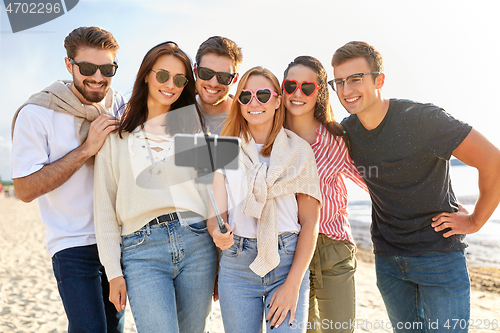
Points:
(405, 164)
(215, 122)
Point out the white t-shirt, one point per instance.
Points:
(41, 137)
(245, 225)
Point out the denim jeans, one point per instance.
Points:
(84, 291)
(428, 293)
(244, 296)
(170, 274)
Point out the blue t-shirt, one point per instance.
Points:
(405, 164)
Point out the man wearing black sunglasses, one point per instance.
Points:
(217, 63)
(56, 134)
(402, 149)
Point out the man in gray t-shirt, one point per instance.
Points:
(402, 150)
(217, 62)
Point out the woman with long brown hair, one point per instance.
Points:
(272, 213)
(149, 214)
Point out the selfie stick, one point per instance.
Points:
(207, 179)
(222, 226)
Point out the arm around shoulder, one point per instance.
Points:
(32, 171)
(53, 175)
(50, 176)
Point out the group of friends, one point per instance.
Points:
(123, 220)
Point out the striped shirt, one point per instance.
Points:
(333, 160)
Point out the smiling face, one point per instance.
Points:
(90, 89)
(298, 104)
(211, 92)
(161, 96)
(366, 97)
(260, 116)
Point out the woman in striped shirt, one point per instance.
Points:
(309, 114)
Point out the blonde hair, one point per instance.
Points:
(236, 125)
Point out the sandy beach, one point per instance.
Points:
(29, 300)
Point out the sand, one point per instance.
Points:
(29, 300)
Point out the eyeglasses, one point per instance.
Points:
(207, 74)
(354, 81)
(307, 87)
(263, 96)
(162, 76)
(88, 69)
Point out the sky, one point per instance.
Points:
(441, 52)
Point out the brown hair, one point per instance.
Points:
(356, 49)
(323, 109)
(236, 125)
(136, 110)
(92, 37)
(221, 46)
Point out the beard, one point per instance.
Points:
(211, 99)
(89, 95)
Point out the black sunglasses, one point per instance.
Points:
(222, 77)
(263, 96)
(88, 69)
(162, 76)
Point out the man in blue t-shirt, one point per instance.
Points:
(402, 150)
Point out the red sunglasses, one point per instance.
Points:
(307, 87)
(262, 95)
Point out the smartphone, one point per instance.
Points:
(206, 153)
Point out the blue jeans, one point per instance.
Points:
(428, 293)
(244, 296)
(84, 291)
(170, 274)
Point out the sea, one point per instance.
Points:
(484, 246)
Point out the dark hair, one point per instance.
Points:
(221, 46)
(136, 110)
(323, 109)
(92, 37)
(356, 49)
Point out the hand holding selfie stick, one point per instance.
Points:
(207, 153)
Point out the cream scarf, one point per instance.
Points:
(60, 98)
(292, 169)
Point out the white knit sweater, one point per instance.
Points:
(121, 207)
